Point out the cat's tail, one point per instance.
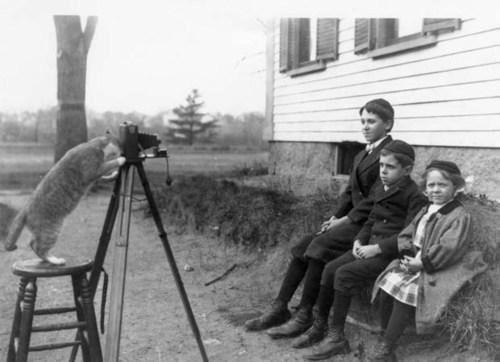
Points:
(15, 230)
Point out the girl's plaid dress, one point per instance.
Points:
(402, 284)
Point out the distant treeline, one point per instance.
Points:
(246, 129)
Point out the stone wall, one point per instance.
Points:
(479, 166)
(306, 167)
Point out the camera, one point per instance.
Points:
(134, 143)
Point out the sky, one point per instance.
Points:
(147, 55)
(142, 58)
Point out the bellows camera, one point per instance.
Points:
(134, 143)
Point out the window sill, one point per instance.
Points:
(311, 67)
(404, 46)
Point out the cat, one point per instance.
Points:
(59, 192)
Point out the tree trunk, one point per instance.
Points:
(72, 49)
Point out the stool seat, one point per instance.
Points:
(87, 335)
(40, 268)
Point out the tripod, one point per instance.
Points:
(120, 205)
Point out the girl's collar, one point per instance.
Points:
(448, 207)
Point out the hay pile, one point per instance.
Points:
(471, 319)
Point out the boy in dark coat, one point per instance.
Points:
(397, 200)
(336, 235)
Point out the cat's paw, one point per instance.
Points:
(121, 160)
(55, 260)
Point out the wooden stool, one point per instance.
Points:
(22, 326)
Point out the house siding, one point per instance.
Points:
(444, 95)
(446, 99)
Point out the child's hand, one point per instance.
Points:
(411, 265)
(355, 249)
(326, 225)
(369, 251)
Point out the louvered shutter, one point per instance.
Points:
(363, 35)
(437, 25)
(304, 40)
(285, 44)
(386, 31)
(327, 39)
(294, 43)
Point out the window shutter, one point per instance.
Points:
(363, 35)
(327, 39)
(304, 40)
(386, 31)
(285, 44)
(437, 25)
(294, 43)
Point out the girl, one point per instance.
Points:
(433, 267)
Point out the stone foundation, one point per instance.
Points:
(305, 168)
(479, 166)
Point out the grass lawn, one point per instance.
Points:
(22, 165)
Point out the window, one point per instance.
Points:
(306, 44)
(346, 151)
(383, 37)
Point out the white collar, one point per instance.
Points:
(371, 146)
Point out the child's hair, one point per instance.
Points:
(448, 169)
(402, 152)
(404, 160)
(381, 108)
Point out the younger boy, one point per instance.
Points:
(397, 199)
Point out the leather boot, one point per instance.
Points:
(334, 343)
(277, 314)
(383, 352)
(299, 323)
(313, 335)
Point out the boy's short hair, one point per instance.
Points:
(401, 151)
(381, 108)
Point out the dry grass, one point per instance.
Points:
(240, 214)
(470, 320)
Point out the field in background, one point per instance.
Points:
(23, 164)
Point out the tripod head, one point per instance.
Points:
(138, 146)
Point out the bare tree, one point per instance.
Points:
(72, 49)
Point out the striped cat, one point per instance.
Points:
(59, 192)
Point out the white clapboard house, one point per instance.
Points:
(442, 77)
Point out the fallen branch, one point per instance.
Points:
(222, 276)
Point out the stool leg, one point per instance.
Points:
(90, 319)
(81, 336)
(26, 320)
(16, 324)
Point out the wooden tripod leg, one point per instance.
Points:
(171, 261)
(113, 333)
(105, 237)
(102, 247)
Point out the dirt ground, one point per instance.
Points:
(155, 327)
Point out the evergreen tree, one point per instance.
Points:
(191, 124)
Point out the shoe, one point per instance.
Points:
(277, 314)
(313, 335)
(383, 352)
(299, 323)
(334, 343)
